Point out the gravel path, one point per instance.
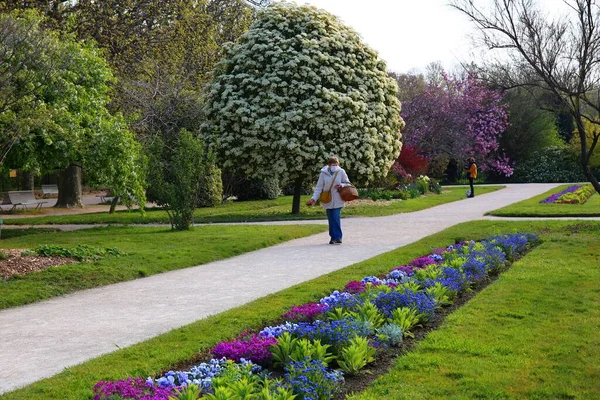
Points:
(42, 339)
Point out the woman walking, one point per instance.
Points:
(471, 170)
(332, 178)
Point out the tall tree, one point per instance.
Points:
(456, 119)
(561, 56)
(64, 123)
(298, 87)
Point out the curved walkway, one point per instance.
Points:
(42, 339)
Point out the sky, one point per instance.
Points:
(410, 34)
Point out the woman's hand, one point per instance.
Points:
(310, 202)
(338, 186)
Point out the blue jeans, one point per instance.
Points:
(335, 223)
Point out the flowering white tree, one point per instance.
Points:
(298, 87)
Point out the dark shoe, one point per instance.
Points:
(332, 241)
(470, 197)
(337, 241)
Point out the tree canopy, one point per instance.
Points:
(298, 87)
(61, 118)
(457, 119)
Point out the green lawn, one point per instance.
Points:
(531, 334)
(263, 210)
(533, 208)
(148, 251)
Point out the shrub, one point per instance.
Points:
(3, 256)
(176, 175)
(210, 191)
(434, 186)
(422, 183)
(80, 252)
(257, 189)
(307, 188)
(552, 164)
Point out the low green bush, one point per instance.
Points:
(257, 189)
(80, 252)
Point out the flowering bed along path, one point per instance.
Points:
(317, 346)
(575, 194)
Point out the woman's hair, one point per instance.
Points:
(470, 159)
(333, 160)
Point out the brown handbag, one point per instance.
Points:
(348, 193)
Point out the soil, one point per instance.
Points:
(16, 264)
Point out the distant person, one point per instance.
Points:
(332, 178)
(471, 170)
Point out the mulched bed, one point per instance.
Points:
(16, 264)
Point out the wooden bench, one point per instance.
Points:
(49, 189)
(24, 198)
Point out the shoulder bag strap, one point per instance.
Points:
(333, 181)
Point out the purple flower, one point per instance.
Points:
(355, 287)
(253, 347)
(131, 388)
(552, 199)
(305, 312)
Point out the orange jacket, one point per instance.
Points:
(471, 170)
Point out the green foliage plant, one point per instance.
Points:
(80, 252)
(238, 382)
(356, 355)
(391, 334)
(405, 318)
(442, 295)
(190, 392)
(289, 348)
(338, 313)
(304, 87)
(412, 286)
(175, 176)
(368, 313)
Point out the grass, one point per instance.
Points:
(262, 210)
(544, 296)
(168, 251)
(532, 207)
(531, 335)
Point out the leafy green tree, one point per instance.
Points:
(296, 88)
(532, 128)
(175, 176)
(62, 122)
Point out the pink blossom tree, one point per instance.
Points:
(456, 119)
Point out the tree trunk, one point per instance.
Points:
(590, 177)
(28, 180)
(113, 204)
(69, 188)
(297, 194)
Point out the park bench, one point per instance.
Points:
(24, 198)
(105, 197)
(49, 189)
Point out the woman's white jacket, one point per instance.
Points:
(325, 181)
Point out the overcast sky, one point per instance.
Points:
(410, 34)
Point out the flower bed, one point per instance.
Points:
(320, 342)
(576, 194)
